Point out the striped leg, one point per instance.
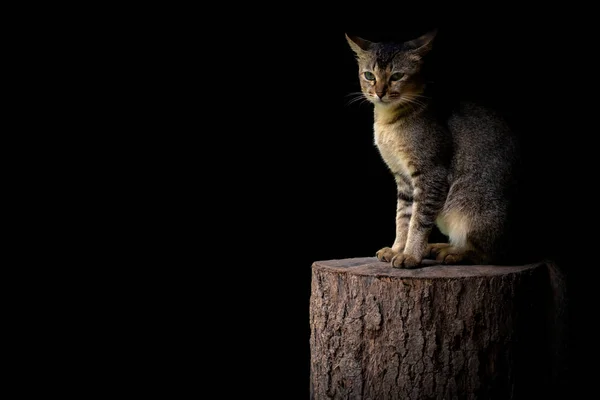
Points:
(430, 195)
(403, 214)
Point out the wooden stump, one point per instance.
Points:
(437, 332)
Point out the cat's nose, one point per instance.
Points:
(380, 94)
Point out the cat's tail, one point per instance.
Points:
(558, 315)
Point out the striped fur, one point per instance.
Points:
(454, 167)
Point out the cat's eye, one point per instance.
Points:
(396, 76)
(369, 76)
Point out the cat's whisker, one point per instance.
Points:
(358, 98)
(355, 100)
(410, 100)
(420, 96)
(359, 102)
(421, 99)
(418, 103)
(355, 94)
(417, 96)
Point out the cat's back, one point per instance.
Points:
(482, 137)
(478, 125)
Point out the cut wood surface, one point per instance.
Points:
(435, 332)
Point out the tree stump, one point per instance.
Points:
(436, 332)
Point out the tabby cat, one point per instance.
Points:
(454, 167)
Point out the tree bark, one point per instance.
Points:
(436, 332)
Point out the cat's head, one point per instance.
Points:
(390, 74)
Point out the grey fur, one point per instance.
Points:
(455, 169)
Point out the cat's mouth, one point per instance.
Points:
(388, 99)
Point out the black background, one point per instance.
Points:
(329, 195)
(288, 174)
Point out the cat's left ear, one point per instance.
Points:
(421, 45)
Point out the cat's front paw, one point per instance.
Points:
(386, 254)
(405, 261)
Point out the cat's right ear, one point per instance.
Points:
(358, 45)
(421, 45)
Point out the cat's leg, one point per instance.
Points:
(472, 239)
(456, 255)
(430, 194)
(433, 249)
(403, 214)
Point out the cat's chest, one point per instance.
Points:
(395, 148)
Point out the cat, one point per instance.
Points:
(455, 167)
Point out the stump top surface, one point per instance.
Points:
(373, 267)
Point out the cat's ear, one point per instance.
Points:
(358, 45)
(421, 45)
